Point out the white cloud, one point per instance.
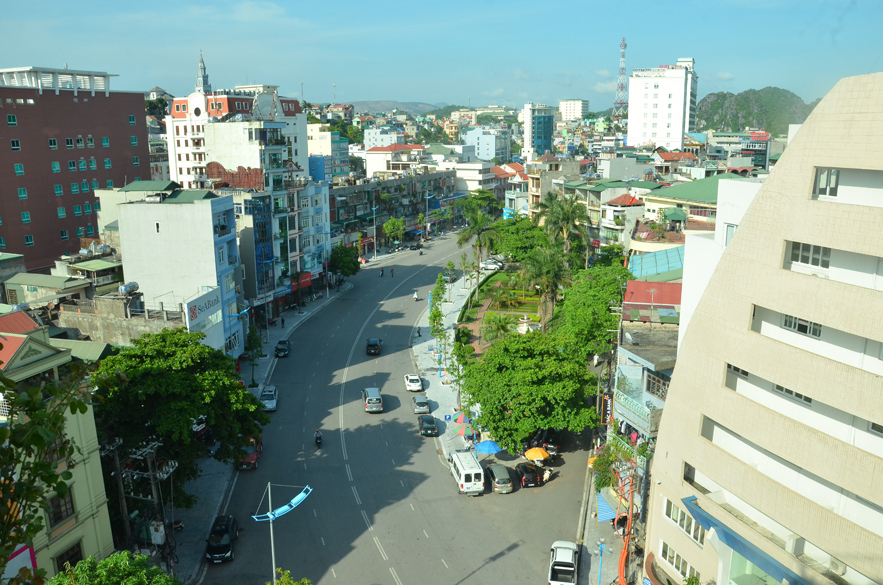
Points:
(519, 75)
(723, 76)
(605, 87)
(602, 73)
(497, 92)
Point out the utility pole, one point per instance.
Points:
(113, 448)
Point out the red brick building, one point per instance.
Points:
(63, 134)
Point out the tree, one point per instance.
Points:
(479, 226)
(497, 325)
(156, 107)
(527, 382)
(586, 316)
(394, 228)
(30, 454)
(156, 390)
(562, 217)
(518, 236)
(355, 134)
(450, 269)
(479, 200)
(285, 578)
(121, 567)
(357, 165)
(254, 349)
(311, 119)
(544, 269)
(345, 259)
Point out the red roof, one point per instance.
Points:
(396, 148)
(10, 344)
(665, 293)
(625, 201)
(516, 167)
(675, 156)
(17, 322)
(501, 172)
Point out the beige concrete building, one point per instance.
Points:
(769, 463)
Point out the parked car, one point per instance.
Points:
(416, 246)
(450, 276)
(283, 348)
(421, 404)
(563, 564)
(529, 474)
(413, 383)
(373, 346)
(427, 425)
(251, 453)
(499, 479)
(269, 398)
(548, 439)
(225, 531)
(491, 265)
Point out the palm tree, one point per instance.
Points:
(497, 326)
(481, 227)
(562, 216)
(544, 269)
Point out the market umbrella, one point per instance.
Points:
(463, 429)
(535, 454)
(462, 417)
(489, 447)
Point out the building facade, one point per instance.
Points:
(662, 104)
(573, 109)
(490, 144)
(323, 142)
(539, 125)
(382, 137)
(767, 467)
(63, 134)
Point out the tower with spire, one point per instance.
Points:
(202, 84)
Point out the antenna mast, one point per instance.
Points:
(621, 103)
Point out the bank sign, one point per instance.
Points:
(204, 311)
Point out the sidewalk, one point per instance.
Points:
(214, 484)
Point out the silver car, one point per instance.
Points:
(421, 404)
(269, 398)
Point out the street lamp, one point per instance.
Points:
(374, 209)
(427, 197)
(602, 548)
(273, 514)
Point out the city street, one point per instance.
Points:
(384, 507)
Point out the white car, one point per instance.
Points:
(269, 398)
(491, 265)
(564, 564)
(420, 404)
(413, 383)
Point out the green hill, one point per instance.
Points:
(771, 109)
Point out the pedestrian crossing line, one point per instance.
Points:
(380, 548)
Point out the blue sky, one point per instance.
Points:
(479, 52)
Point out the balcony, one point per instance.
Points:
(232, 260)
(637, 414)
(622, 443)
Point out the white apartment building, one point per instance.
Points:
(770, 449)
(181, 249)
(471, 175)
(490, 143)
(573, 109)
(662, 104)
(375, 137)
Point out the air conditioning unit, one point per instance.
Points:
(836, 566)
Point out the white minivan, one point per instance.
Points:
(467, 472)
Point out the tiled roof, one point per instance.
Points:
(516, 167)
(675, 156)
(664, 293)
(17, 322)
(10, 344)
(397, 148)
(625, 200)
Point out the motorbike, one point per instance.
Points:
(318, 440)
(271, 321)
(421, 252)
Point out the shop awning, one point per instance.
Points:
(605, 509)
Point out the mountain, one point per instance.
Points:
(375, 106)
(770, 109)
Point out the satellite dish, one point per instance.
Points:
(628, 337)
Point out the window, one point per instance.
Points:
(177, 107)
(134, 141)
(90, 142)
(221, 255)
(26, 217)
(75, 188)
(97, 205)
(95, 185)
(56, 168)
(82, 164)
(738, 371)
(238, 105)
(53, 144)
(59, 190)
(135, 161)
(78, 210)
(731, 231)
(61, 212)
(69, 142)
(105, 142)
(22, 193)
(11, 120)
(72, 165)
(2, 243)
(801, 326)
(29, 241)
(64, 235)
(80, 143)
(131, 120)
(110, 184)
(811, 255)
(107, 163)
(19, 169)
(84, 186)
(90, 230)
(875, 428)
(79, 232)
(826, 182)
(87, 209)
(16, 145)
(71, 557)
(678, 562)
(792, 394)
(685, 522)
(92, 164)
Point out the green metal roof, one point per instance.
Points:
(701, 191)
(608, 184)
(645, 185)
(87, 351)
(96, 265)
(8, 256)
(47, 281)
(674, 214)
(154, 186)
(189, 196)
(438, 149)
(576, 184)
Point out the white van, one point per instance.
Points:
(467, 472)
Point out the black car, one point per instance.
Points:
(283, 348)
(220, 542)
(416, 246)
(529, 474)
(427, 425)
(373, 346)
(548, 439)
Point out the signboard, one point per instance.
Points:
(596, 243)
(606, 407)
(306, 280)
(204, 311)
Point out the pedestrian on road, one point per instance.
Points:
(283, 321)
(418, 332)
(381, 272)
(392, 272)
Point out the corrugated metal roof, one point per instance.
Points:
(96, 265)
(701, 191)
(189, 196)
(87, 351)
(17, 322)
(47, 281)
(642, 265)
(154, 186)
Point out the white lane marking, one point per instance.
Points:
(393, 462)
(380, 548)
(333, 573)
(401, 482)
(387, 442)
(424, 533)
(308, 399)
(323, 540)
(394, 576)
(445, 564)
(305, 466)
(412, 507)
(314, 513)
(356, 495)
(367, 522)
(304, 430)
(230, 493)
(349, 473)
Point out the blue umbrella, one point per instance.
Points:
(489, 447)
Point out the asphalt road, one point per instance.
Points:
(384, 509)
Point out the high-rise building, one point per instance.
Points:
(321, 141)
(539, 124)
(662, 104)
(573, 109)
(770, 449)
(63, 134)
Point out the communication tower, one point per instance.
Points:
(621, 102)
